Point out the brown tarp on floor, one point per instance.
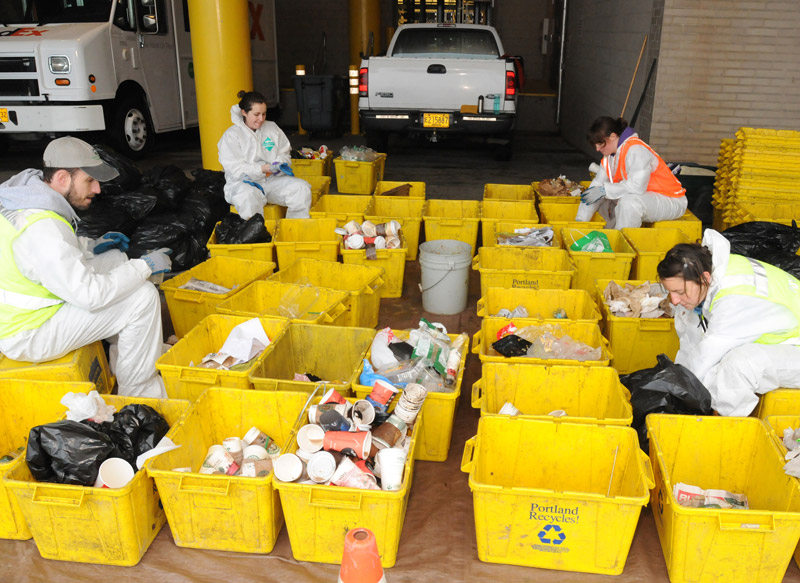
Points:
(437, 544)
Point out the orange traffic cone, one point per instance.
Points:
(361, 562)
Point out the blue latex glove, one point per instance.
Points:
(254, 184)
(593, 194)
(286, 169)
(158, 261)
(276, 168)
(111, 240)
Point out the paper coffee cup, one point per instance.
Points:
(310, 437)
(233, 445)
(288, 467)
(358, 442)
(362, 413)
(255, 436)
(256, 468)
(348, 475)
(352, 227)
(333, 396)
(392, 463)
(369, 229)
(255, 452)
(380, 242)
(508, 408)
(115, 472)
(354, 241)
(321, 466)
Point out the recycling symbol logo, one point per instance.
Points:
(552, 534)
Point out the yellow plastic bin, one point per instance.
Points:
(318, 515)
(320, 185)
(24, 404)
(224, 513)
(688, 223)
(779, 402)
(508, 192)
(314, 238)
(252, 251)
(271, 212)
(636, 342)
(541, 501)
(439, 411)
(541, 304)
(406, 211)
(393, 261)
(510, 226)
(87, 364)
(457, 220)
(363, 282)
(523, 268)
(107, 526)
(584, 332)
(591, 266)
(184, 381)
(298, 303)
(726, 453)
(417, 188)
(187, 307)
(566, 200)
(356, 177)
(342, 207)
(493, 210)
(561, 215)
(333, 353)
(588, 394)
(306, 167)
(777, 424)
(651, 245)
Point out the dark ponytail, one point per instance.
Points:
(603, 127)
(249, 98)
(686, 260)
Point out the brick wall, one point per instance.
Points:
(723, 65)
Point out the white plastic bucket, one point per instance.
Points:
(445, 265)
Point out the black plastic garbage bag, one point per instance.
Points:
(103, 216)
(137, 203)
(772, 243)
(129, 175)
(170, 183)
(512, 345)
(67, 452)
(135, 429)
(665, 388)
(234, 230)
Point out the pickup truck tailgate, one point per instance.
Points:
(434, 84)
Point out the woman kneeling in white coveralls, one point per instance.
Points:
(737, 319)
(634, 184)
(255, 155)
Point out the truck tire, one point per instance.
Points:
(130, 130)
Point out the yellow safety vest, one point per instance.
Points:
(748, 277)
(24, 305)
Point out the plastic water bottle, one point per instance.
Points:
(497, 103)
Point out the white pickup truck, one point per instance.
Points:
(440, 80)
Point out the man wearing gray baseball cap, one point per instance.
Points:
(60, 292)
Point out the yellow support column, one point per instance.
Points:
(355, 123)
(222, 67)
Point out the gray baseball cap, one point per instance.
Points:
(69, 152)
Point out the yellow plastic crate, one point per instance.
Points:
(777, 424)
(493, 210)
(320, 185)
(333, 353)
(363, 282)
(107, 526)
(510, 225)
(541, 303)
(566, 200)
(562, 216)
(688, 223)
(271, 212)
(452, 219)
(305, 167)
(406, 211)
(252, 251)
(417, 188)
(87, 364)
(592, 266)
(531, 268)
(651, 245)
(778, 402)
(342, 207)
(355, 177)
(439, 411)
(532, 508)
(302, 304)
(735, 454)
(187, 307)
(636, 342)
(314, 238)
(508, 191)
(318, 515)
(588, 394)
(225, 513)
(184, 381)
(393, 261)
(24, 404)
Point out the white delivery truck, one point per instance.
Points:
(119, 66)
(440, 80)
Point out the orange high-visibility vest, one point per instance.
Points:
(662, 180)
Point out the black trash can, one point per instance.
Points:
(321, 101)
(698, 180)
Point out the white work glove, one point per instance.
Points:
(158, 261)
(593, 194)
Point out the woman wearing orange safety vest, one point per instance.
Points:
(634, 184)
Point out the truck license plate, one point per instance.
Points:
(3, 114)
(436, 120)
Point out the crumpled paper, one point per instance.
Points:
(245, 341)
(561, 186)
(87, 406)
(642, 301)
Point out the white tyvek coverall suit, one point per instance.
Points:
(105, 296)
(242, 152)
(725, 358)
(628, 203)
